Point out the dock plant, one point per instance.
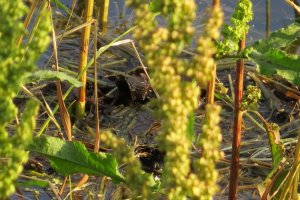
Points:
(179, 98)
(235, 39)
(15, 63)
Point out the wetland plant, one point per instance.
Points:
(178, 98)
(15, 63)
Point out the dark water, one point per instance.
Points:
(281, 15)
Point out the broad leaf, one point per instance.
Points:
(52, 75)
(276, 61)
(279, 38)
(71, 157)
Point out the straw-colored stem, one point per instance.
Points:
(211, 85)
(104, 4)
(83, 56)
(97, 138)
(210, 95)
(27, 20)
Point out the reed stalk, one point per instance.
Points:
(83, 56)
(104, 5)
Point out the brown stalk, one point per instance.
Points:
(236, 139)
(97, 138)
(268, 19)
(210, 95)
(83, 56)
(62, 107)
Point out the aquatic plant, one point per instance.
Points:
(179, 98)
(15, 63)
(234, 36)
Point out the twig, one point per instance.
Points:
(50, 184)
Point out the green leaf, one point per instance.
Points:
(190, 127)
(52, 75)
(218, 96)
(31, 182)
(277, 147)
(156, 6)
(227, 99)
(279, 38)
(276, 61)
(71, 157)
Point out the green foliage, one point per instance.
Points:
(71, 157)
(15, 62)
(270, 59)
(156, 6)
(51, 75)
(31, 183)
(235, 32)
(279, 38)
(276, 61)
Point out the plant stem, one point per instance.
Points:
(104, 4)
(210, 95)
(268, 19)
(236, 140)
(83, 56)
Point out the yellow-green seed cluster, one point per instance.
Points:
(178, 98)
(250, 98)
(210, 140)
(139, 182)
(202, 66)
(15, 62)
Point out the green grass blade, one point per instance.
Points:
(62, 6)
